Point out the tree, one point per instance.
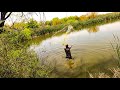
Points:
(56, 21)
(83, 17)
(92, 15)
(48, 23)
(3, 17)
(32, 24)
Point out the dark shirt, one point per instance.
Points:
(68, 53)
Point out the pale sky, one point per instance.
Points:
(51, 15)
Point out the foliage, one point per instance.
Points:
(84, 21)
(98, 20)
(16, 61)
(26, 34)
(83, 18)
(32, 24)
(19, 25)
(56, 24)
(56, 21)
(92, 15)
(48, 23)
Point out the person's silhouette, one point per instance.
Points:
(67, 51)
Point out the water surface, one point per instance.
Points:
(91, 50)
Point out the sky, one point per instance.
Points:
(51, 15)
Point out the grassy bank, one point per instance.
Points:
(49, 29)
(77, 25)
(98, 20)
(56, 24)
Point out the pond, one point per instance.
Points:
(91, 50)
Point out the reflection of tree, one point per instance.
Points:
(93, 29)
(38, 40)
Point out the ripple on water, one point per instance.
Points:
(87, 48)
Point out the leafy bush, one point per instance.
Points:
(26, 33)
(19, 62)
(32, 24)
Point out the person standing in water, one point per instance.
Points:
(67, 51)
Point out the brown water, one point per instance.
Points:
(91, 50)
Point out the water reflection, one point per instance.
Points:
(69, 64)
(93, 29)
(93, 48)
(83, 42)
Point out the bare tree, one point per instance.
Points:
(3, 17)
(19, 16)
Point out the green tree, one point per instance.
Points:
(64, 20)
(25, 34)
(16, 61)
(71, 21)
(32, 24)
(48, 23)
(19, 25)
(56, 21)
(92, 15)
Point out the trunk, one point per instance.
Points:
(2, 18)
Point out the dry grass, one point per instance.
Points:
(114, 71)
